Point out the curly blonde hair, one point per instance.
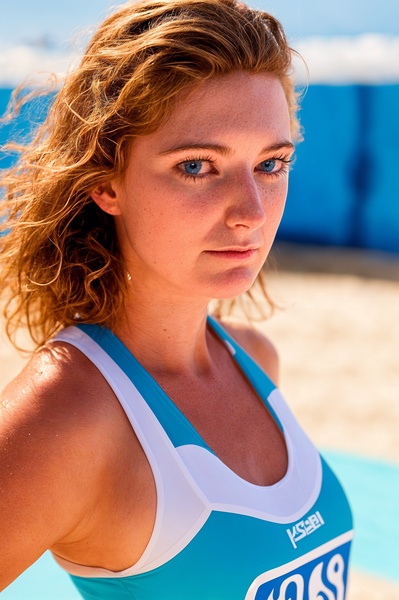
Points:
(59, 256)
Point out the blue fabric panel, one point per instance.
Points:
(321, 199)
(381, 214)
(344, 189)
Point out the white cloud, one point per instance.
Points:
(23, 62)
(368, 59)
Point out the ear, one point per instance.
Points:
(106, 198)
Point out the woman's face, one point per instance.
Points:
(200, 202)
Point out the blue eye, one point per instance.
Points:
(268, 166)
(196, 169)
(193, 167)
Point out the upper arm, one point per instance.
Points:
(258, 346)
(44, 483)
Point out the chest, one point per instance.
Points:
(234, 422)
(237, 425)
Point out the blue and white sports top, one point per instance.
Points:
(217, 536)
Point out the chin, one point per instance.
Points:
(231, 285)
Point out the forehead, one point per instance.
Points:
(230, 105)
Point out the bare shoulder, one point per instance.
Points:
(54, 391)
(57, 409)
(50, 456)
(256, 344)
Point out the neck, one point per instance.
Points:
(167, 335)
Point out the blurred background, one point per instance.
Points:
(335, 279)
(345, 185)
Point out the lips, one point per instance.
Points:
(237, 249)
(235, 252)
(243, 247)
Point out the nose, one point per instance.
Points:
(246, 203)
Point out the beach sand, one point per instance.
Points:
(337, 333)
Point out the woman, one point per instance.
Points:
(146, 444)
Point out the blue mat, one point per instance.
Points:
(43, 581)
(373, 490)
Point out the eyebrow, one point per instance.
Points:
(225, 150)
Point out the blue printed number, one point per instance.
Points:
(323, 578)
(293, 588)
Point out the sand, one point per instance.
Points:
(337, 333)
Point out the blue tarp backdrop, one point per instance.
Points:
(344, 188)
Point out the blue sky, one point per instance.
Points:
(341, 40)
(29, 20)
